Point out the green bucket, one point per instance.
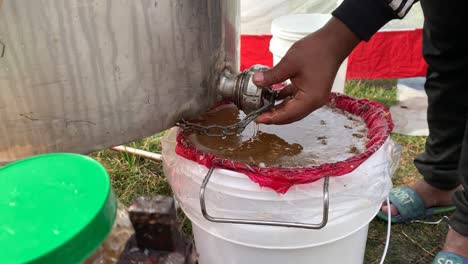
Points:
(55, 208)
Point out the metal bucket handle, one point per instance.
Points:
(264, 222)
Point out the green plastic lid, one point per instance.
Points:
(55, 208)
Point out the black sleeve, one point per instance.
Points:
(365, 17)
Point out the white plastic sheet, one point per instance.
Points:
(256, 16)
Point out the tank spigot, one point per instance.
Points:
(241, 90)
(248, 97)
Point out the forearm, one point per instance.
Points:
(339, 38)
(365, 17)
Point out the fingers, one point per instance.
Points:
(279, 86)
(290, 110)
(287, 91)
(283, 71)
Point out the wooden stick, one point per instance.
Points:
(139, 152)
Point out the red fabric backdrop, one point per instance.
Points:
(389, 54)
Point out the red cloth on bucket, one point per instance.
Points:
(280, 179)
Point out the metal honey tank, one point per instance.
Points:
(79, 75)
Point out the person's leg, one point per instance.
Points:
(446, 86)
(459, 221)
(445, 49)
(457, 238)
(444, 164)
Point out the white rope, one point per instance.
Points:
(389, 227)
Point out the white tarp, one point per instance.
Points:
(256, 16)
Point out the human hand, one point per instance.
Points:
(311, 64)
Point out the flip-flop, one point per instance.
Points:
(411, 207)
(445, 257)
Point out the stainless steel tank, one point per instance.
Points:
(85, 75)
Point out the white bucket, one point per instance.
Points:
(350, 249)
(354, 201)
(286, 30)
(341, 241)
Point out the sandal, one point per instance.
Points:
(445, 257)
(410, 206)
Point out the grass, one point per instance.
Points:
(131, 175)
(410, 243)
(382, 91)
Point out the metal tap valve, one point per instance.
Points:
(248, 97)
(241, 90)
